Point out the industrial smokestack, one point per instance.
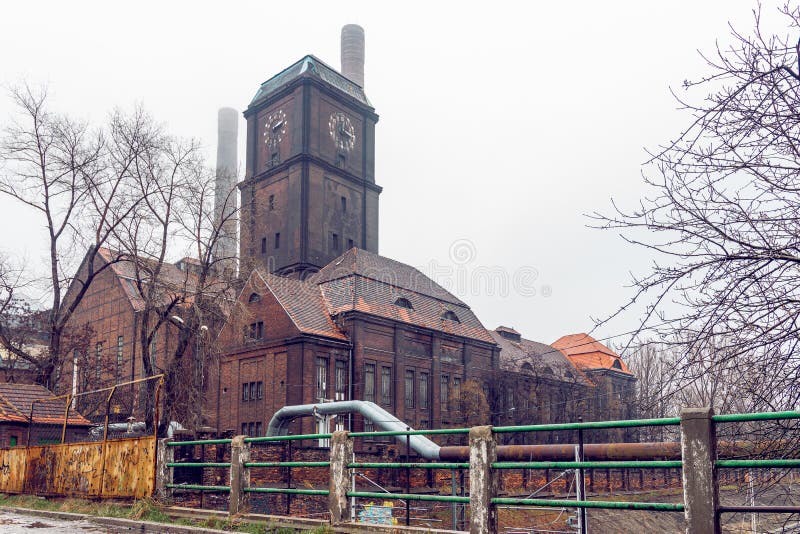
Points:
(353, 53)
(225, 188)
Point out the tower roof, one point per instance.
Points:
(587, 353)
(311, 66)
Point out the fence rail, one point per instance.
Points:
(698, 465)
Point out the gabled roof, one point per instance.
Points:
(311, 66)
(172, 280)
(589, 354)
(369, 283)
(536, 359)
(358, 262)
(16, 400)
(303, 303)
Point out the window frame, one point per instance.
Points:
(409, 394)
(386, 385)
(369, 381)
(424, 377)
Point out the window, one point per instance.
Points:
(616, 365)
(260, 389)
(386, 385)
(409, 389)
(340, 160)
(272, 203)
(423, 425)
(344, 205)
(254, 297)
(277, 240)
(322, 379)
(350, 244)
(444, 392)
(258, 429)
(368, 426)
(245, 392)
(369, 382)
(263, 245)
(403, 303)
(12, 441)
(120, 344)
(457, 391)
(257, 330)
(274, 159)
(335, 242)
(423, 391)
(341, 380)
(98, 358)
(450, 316)
(510, 399)
(244, 429)
(253, 392)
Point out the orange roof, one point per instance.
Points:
(587, 353)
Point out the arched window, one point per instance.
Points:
(450, 316)
(528, 368)
(254, 297)
(403, 303)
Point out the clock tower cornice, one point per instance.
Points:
(276, 173)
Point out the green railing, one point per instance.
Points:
(499, 465)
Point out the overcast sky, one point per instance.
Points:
(500, 126)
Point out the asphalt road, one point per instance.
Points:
(16, 523)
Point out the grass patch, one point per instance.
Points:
(144, 510)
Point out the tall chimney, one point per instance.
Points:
(353, 53)
(225, 188)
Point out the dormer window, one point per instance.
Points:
(403, 302)
(616, 365)
(450, 316)
(254, 297)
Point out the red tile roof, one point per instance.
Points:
(587, 353)
(16, 400)
(303, 303)
(366, 282)
(172, 280)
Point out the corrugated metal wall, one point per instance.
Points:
(115, 468)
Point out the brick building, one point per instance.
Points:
(322, 316)
(363, 327)
(111, 308)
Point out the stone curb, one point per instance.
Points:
(118, 524)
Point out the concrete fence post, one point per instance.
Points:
(482, 480)
(239, 475)
(340, 477)
(699, 451)
(164, 455)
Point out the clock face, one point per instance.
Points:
(342, 131)
(275, 128)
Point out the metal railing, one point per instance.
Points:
(580, 465)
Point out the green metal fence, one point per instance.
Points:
(581, 465)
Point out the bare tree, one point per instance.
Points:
(76, 180)
(185, 305)
(722, 219)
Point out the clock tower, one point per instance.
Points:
(309, 191)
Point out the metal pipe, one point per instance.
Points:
(279, 424)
